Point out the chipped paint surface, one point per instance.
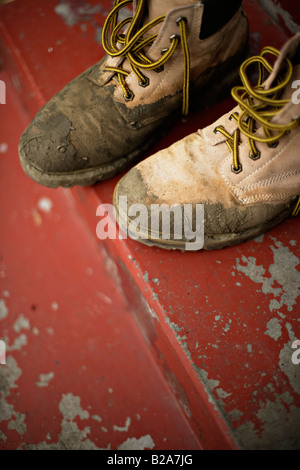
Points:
(275, 10)
(233, 313)
(3, 309)
(274, 329)
(282, 279)
(240, 345)
(123, 428)
(14, 419)
(144, 442)
(44, 379)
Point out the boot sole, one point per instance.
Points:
(208, 95)
(211, 242)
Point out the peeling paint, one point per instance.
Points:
(3, 309)
(274, 329)
(18, 423)
(260, 238)
(97, 418)
(279, 428)
(71, 437)
(222, 394)
(144, 442)
(173, 325)
(21, 323)
(282, 272)
(72, 14)
(275, 10)
(210, 384)
(124, 428)
(45, 379)
(18, 343)
(235, 415)
(8, 378)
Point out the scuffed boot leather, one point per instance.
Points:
(108, 117)
(244, 169)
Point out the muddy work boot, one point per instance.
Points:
(243, 170)
(109, 116)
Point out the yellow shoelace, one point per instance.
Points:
(258, 107)
(131, 46)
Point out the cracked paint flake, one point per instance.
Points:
(97, 418)
(18, 424)
(3, 309)
(144, 442)
(279, 428)
(222, 394)
(70, 437)
(276, 12)
(123, 428)
(283, 272)
(209, 384)
(173, 325)
(70, 407)
(235, 415)
(8, 378)
(274, 329)
(18, 343)
(21, 323)
(44, 379)
(72, 14)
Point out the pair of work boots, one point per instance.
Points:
(244, 169)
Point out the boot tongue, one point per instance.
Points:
(288, 51)
(157, 7)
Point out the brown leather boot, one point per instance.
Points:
(244, 169)
(108, 117)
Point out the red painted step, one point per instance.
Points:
(220, 324)
(78, 374)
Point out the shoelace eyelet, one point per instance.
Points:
(181, 18)
(231, 117)
(145, 83)
(129, 97)
(274, 145)
(255, 157)
(238, 170)
(174, 36)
